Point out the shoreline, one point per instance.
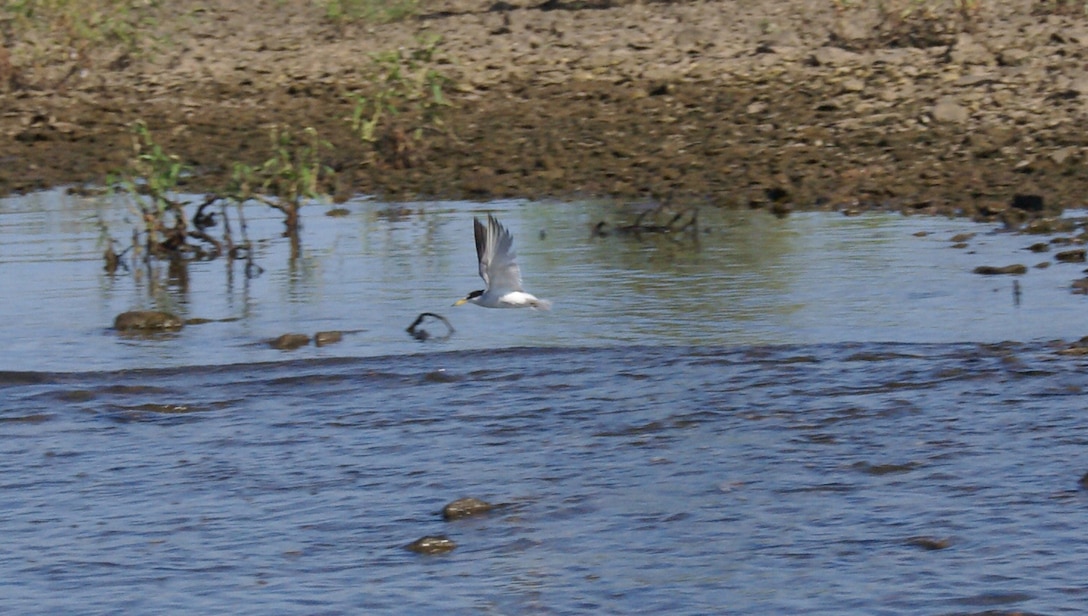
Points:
(791, 106)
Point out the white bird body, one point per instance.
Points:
(499, 270)
(511, 299)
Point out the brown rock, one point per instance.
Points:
(1076, 255)
(949, 111)
(1012, 57)
(147, 320)
(990, 270)
(834, 56)
(929, 543)
(465, 507)
(967, 50)
(431, 544)
(288, 342)
(330, 337)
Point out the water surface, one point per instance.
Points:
(783, 479)
(746, 278)
(774, 417)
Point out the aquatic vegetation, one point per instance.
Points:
(408, 101)
(178, 230)
(292, 175)
(151, 180)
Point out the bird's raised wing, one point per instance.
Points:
(495, 250)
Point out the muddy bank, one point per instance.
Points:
(727, 102)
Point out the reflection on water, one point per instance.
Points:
(746, 278)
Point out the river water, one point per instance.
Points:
(819, 415)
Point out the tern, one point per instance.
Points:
(499, 269)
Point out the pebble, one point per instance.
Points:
(949, 111)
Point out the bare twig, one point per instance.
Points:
(423, 335)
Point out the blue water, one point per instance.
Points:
(746, 278)
(763, 422)
(785, 479)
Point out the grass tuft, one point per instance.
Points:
(373, 11)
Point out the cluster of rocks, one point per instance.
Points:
(456, 510)
(154, 322)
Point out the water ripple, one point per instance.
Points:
(823, 479)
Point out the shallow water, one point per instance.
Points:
(746, 279)
(762, 421)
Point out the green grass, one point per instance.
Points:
(292, 175)
(407, 101)
(151, 180)
(76, 23)
(374, 11)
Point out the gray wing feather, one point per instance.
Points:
(495, 250)
(481, 247)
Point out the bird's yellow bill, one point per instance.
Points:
(463, 300)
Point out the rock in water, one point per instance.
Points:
(289, 342)
(431, 544)
(147, 321)
(465, 507)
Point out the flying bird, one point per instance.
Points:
(499, 269)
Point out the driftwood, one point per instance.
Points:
(423, 335)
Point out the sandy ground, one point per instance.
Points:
(731, 102)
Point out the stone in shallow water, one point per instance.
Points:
(329, 337)
(930, 543)
(288, 342)
(147, 320)
(431, 544)
(465, 507)
(990, 270)
(1077, 255)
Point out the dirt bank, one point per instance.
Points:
(729, 102)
